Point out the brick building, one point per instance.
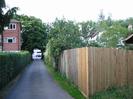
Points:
(12, 37)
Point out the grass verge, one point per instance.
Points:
(65, 84)
(125, 92)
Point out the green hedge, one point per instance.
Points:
(11, 64)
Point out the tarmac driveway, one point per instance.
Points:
(36, 83)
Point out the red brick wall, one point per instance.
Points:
(12, 33)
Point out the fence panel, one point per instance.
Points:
(95, 69)
(130, 67)
(83, 70)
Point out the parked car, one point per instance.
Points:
(37, 54)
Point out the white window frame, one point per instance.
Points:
(6, 39)
(12, 25)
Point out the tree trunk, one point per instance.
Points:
(56, 63)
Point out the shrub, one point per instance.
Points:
(11, 64)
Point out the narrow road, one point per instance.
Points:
(36, 83)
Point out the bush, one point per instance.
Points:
(48, 57)
(11, 64)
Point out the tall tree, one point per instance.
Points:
(109, 20)
(34, 33)
(63, 34)
(113, 36)
(88, 30)
(2, 5)
(101, 16)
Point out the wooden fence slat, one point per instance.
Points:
(95, 69)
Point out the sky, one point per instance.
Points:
(76, 10)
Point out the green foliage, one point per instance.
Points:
(115, 93)
(112, 36)
(62, 35)
(48, 56)
(34, 33)
(88, 29)
(5, 18)
(12, 63)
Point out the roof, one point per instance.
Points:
(129, 39)
(13, 20)
(16, 21)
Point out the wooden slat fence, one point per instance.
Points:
(95, 69)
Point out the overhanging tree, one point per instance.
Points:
(34, 33)
(63, 34)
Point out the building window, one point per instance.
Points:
(5, 39)
(12, 26)
(9, 40)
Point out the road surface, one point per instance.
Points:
(36, 83)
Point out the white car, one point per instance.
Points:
(37, 54)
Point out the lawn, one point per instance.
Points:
(125, 92)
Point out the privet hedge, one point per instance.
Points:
(11, 64)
